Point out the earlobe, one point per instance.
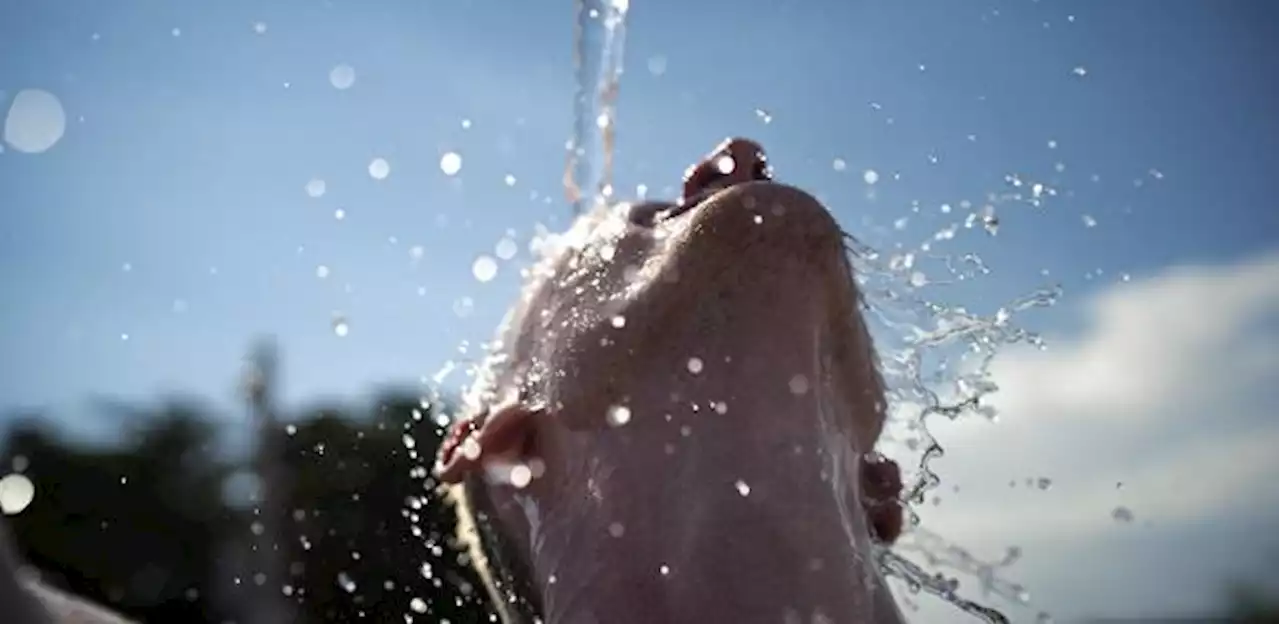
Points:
(500, 435)
(881, 488)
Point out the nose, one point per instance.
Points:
(733, 162)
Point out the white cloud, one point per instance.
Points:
(1168, 390)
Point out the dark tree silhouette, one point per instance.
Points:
(372, 537)
(127, 526)
(146, 527)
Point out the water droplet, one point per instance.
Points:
(322, 271)
(471, 448)
(35, 122)
(1122, 514)
(990, 222)
(618, 322)
(506, 249)
(1080, 71)
(695, 365)
(484, 268)
(839, 164)
(451, 163)
(176, 32)
(16, 493)
(764, 116)
(870, 176)
(340, 326)
(260, 28)
(463, 307)
(417, 605)
(342, 76)
(379, 169)
(616, 529)
(316, 187)
(742, 487)
(618, 415)
(664, 570)
(725, 164)
(799, 384)
(521, 476)
(339, 214)
(1044, 483)
(918, 279)
(1089, 221)
(657, 65)
(345, 582)
(509, 180)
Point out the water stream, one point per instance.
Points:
(599, 36)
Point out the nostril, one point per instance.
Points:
(736, 161)
(761, 170)
(703, 176)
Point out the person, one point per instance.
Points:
(680, 421)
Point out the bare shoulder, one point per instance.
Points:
(64, 608)
(25, 599)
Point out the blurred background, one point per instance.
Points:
(250, 242)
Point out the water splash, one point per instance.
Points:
(935, 359)
(598, 41)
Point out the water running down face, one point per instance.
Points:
(676, 421)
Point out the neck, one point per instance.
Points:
(726, 538)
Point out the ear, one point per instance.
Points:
(500, 436)
(881, 487)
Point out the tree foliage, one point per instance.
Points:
(152, 527)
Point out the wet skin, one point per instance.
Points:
(25, 600)
(678, 422)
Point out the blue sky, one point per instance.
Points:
(174, 209)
